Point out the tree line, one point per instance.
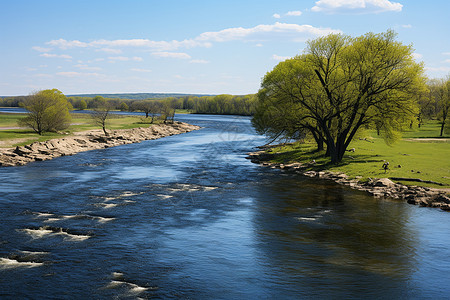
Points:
(343, 84)
(219, 104)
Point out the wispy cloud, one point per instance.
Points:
(406, 26)
(276, 16)
(259, 32)
(124, 58)
(356, 6)
(109, 50)
(264, 32)
(86, 67)
(140, 70)
(48, 55)
(438, 69)
(280, 58)
(417, 56)
(294, 13)
(76, 74)
(41, 49)
(172, 55)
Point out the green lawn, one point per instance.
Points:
(80, 122)
(420, 154)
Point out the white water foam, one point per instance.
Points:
(6, 263)
(44, 232)
(38, 233)
(164, 196)
(306, 218)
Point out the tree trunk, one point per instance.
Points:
(336, 151)
(104, 130)
(319, 140)
(442, 127)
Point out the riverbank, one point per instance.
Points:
(88, 140)
(377, 187)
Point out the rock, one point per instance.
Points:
(384, 182)
(310, 173)
(442, 199)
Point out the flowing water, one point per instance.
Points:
(188, 216)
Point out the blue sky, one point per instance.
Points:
(203, 47)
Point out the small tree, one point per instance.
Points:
(100, 116)
(149, 107)
(48, 110)
(123, 106)
(82, 105)
(167, 112)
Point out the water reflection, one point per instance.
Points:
(316, 237)
(189, 217)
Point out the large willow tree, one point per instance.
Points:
(338, 86)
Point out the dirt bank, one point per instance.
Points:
(377, 187)
(88, 140)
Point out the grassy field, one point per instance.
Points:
(80, 122)
(421, 153)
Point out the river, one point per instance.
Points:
(188, 216)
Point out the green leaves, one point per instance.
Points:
(48, 110)
(340, 84)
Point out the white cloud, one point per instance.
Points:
(259, 45)
(86, 67)
(264, 32)
(140, 70)
(124, 58)
(63, 44)
(199, 61)
(276, 16)
(142, 43)
(356, 6)
(447, 61)
(259, 32)
(41, 49)
(417, 56)
(56, 55)
(109, 50)
(294, 13)
(445, 53)
(280, 58)
(438, 69)
(407, 26)
(76, 74)
(172, 55)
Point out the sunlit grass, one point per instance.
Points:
(80, 122)
(411, 157)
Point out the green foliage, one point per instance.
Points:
(83, 104)
(340, 85)
(48, 110)
(123, 106)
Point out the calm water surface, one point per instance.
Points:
(188, 216)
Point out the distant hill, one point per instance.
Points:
(138, 96)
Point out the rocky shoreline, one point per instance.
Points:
(377, 187)
(89, 140)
